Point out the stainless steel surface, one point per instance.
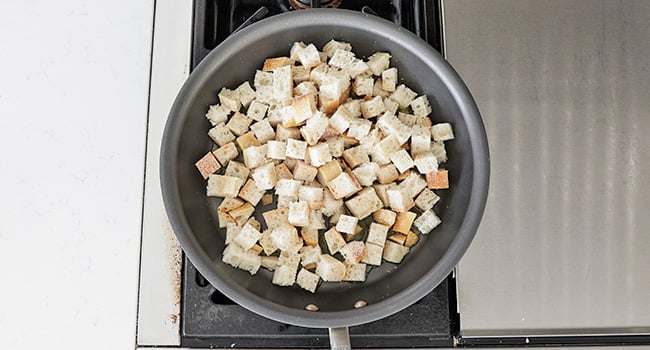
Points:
(564, 89)
(340, 338)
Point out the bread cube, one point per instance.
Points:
(295, 47)
(402, 160)
(232, 230)
(262, 79)
(426, 162)
(390, 125)
(442, 132)
(257, 110)
(247, 260)
(384, 149)
(343, 186)
(403, 95)
(247, 237)
(223, 186)
(391, 106)
(438, 180)
(438, 150)
(276, 149)
(275, 62)
(296, 149)
(276, 217)
(366, 173)
(364, 203)
(355, 273)
(285, 237)
(217, 114)
(316, 219)
(348, 62)
(242, 213)
(318, 73)
(267, 243)
(304, 171)
(330, 48)
(265, 176)
(282, 82)
(355, 156)
(421, 106)
(310, 256)
(284, 201)
(426, 200)
(237, 169)
(387, 173)
(207, 165)
(311, 195)
(328, 171)
(299, 213)
(284, 276)
(413, 184)
(336, 145)
(287, 187)
(353, 107)
(335, 86)
(420, 140)
(382, 189)
(250, 192)
(307, 280)
(404, 221)
(347, 224)
(340, 120)
(309, 236)
(334, 240)
(399, 200)
(378, 62)
(221, 135)
(363, 85)
(255, 156)
(426, 222)
(226, 153)
(229, 99)
(385, 217)
(247, 140)
(378, 91)
(398, 238)
(299, 74)
(373, 254)
(331, 205)
(330, 269)
(253, 222)
(304, 107)
(315, 128)
(308, 56)
(359, 128)
(269, 262)
(275, 112)
(394, 252)
(353, 252)
(263, 131)
(372, 107)
(245, 93)
(389, 79)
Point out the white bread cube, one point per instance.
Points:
(304, 172)
(307, 280)
(284, 276)
(387, 174)
(226, 153)
(407, 119)
(257, 110)
(328, 171)
(237, 169)
(223, 186)
(229, 99)
(283, 172)
(306, 87)
(403, 95)
(426, 222)
(385, 217)
(282, 82)
(284, 134)
(402, 160)
(290, 259)
(426, 162)
(333, 85)
(299, 74)
(372, 107)
(247, 237)
(355, 156)
(334, 240)
(299, 213)
(308, 56)
(284, 201)
(371, 140)
(426, 200)
(262, 79)
(318, 73)
(347, 224)
(353, 106)
(310, 256)
(304, 107)
(250, 192)
(366, 173)
(442, 132)
(263, 131)
(363, 85)
(343, 186)
(276, 149)
(330, 269)
(373, 254)
(296, 149)
(286, 238)
(310, 236)
(353, 252)
(242, 213)
(382, 189)
(269, 262)
(340, 120)
(247, 140)
(334, 219)
(330, 48)
(331, 205)
(390, 125)
(316, 219)
(346, 61)
(217, 114)
(383, 150)
(391, 106)
(267, 243)
(276, 217)
(336, 145)
(255, 156)
(245, 93)
(378, 62)
(378, 91)
(403, 222)
(359, 128)
(413, 184)
(238, 257)
(232, 230)
(265, 176)
(438, 150)
(311, 195)
(287, 187)
(221, 135)
(275, 112)
(355, 273)
(314, 128)
(420, 140)
(399, 201)
(394, 252)
(364, 203)
(389, 79)
(421, 106)
(295, 47)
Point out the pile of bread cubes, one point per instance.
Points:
(348, 156)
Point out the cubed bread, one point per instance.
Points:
(217, 114)
(404, 175)
(442, 132)
(284, 201)
(438, 150)
(265, 176)
(391, 106)
(251, 193)
(295, 48)
(438, 180)
(420, 140)
(359, 128)
(385, 217)
(310, 256)
(384, 149)
(267, 243)
(330, 269)
(238, 124)
(307, 280)
(355, 273)
(407, 119)
(403, 95)
(253, 222)
(207, 165)
(421, 106)
(363, 85)
(312, 195)
(316, 219)
(286, 238)
(413, 184)
(237, 169)
(426, 162)
(390, 125)
(373, 254)
(299, 74)
(247, 140)
(245, 93)
(347, 61)
(347, 224)
(355, 156)
(296, 149)
(276, 149)
(402, 160)
(389, 79)
(269, 262)
(366, 173)
(343, 186)
(378, 91)
(232, 230)
(247, 237)
(340, 120)
(398, 238)
(382, 189)
(221, 135)
(255, 156)
(282, 82)
(394, 252)
(336, 145)
(304, 107)
(247, 260)
(353, 106)
(404, 221)
(319, 154)
(331, 46)
(411, 239)
(399, 200)
(229, 99)
(308, 56)
(263, 131)
(223, 186)
(364, 203)
(284, 275)
(353, 252)
(242, 213)
(276, 217)
(275, 62)
(427, 221)
(309, 236)
(299, 214)
(283, 134)
(426, 200)
(257, 110)
(372, 107)
(328, 171)
(287, 187)
(304, 172)
(334, 240)
(331, 205)
(387, 174)
(378, 62)
(262, 79)
(267, 199)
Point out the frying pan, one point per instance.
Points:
(389, 288)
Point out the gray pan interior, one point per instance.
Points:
(389, 288)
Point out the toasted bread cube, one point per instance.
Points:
(283, 134)
(403, 95)
(330, 269)
(340, 120)
(223, 186)
(232, 230)
(269, 262)
(239, 123)
(420, 140)
(336, 146)
(371, 140)
(438, 180)
(398, 238)
(287, 187)
(328, 171)
(265, 176)
(365, 203)
(242, 214)
(387, 173)
(421, 106)
(382, 189)
(411, 239)
(335, 86)
(284, 201)
(275, 62)
(238, 257)
(308, 56)
(296, 149)
(295, 47)
(366, 173)
(267, 243)
(286, 238)
(304, 107)
(438, 150)
(373, 254)
(283, 172)
(394, 252)
(305, 172)
(331, 205)
(426, 162)
(247, 237)
(330, 48)
(385, 217)
(247, 140)
(299, 74)
(404, 175)
(343, 186)
(226, 205)
(299, 213)
(276, 149)
(404, 221)
(355, 273)
(311, 195)
(334, 240)
(307, 280)
(226, 153)
(442, 132)
(230, 203)
(282, 82)
(276, 217)
(310, 236)
(389, 79)
(250, 192)
(217, 114)
(318, 73)
(402, 160)
(426, 222)
(407, 119)
(237, 169)
(274, 113)
(413, 184)
(372, 107)
(426, 200)
(363, 85)
(229, 99)
(353, 252)
(390, 125)
(255, 156)
(256, 110)
(319, 154)
(359, 128)
(221, 135)
(379, 62)
(263, 131)
(347, 224)
(306, 87)
(400, 201)
(355, 156)
(310, 256)
(207, 165)
(253, 222)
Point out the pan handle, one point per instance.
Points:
(340, 338)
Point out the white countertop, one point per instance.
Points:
(74, 80)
